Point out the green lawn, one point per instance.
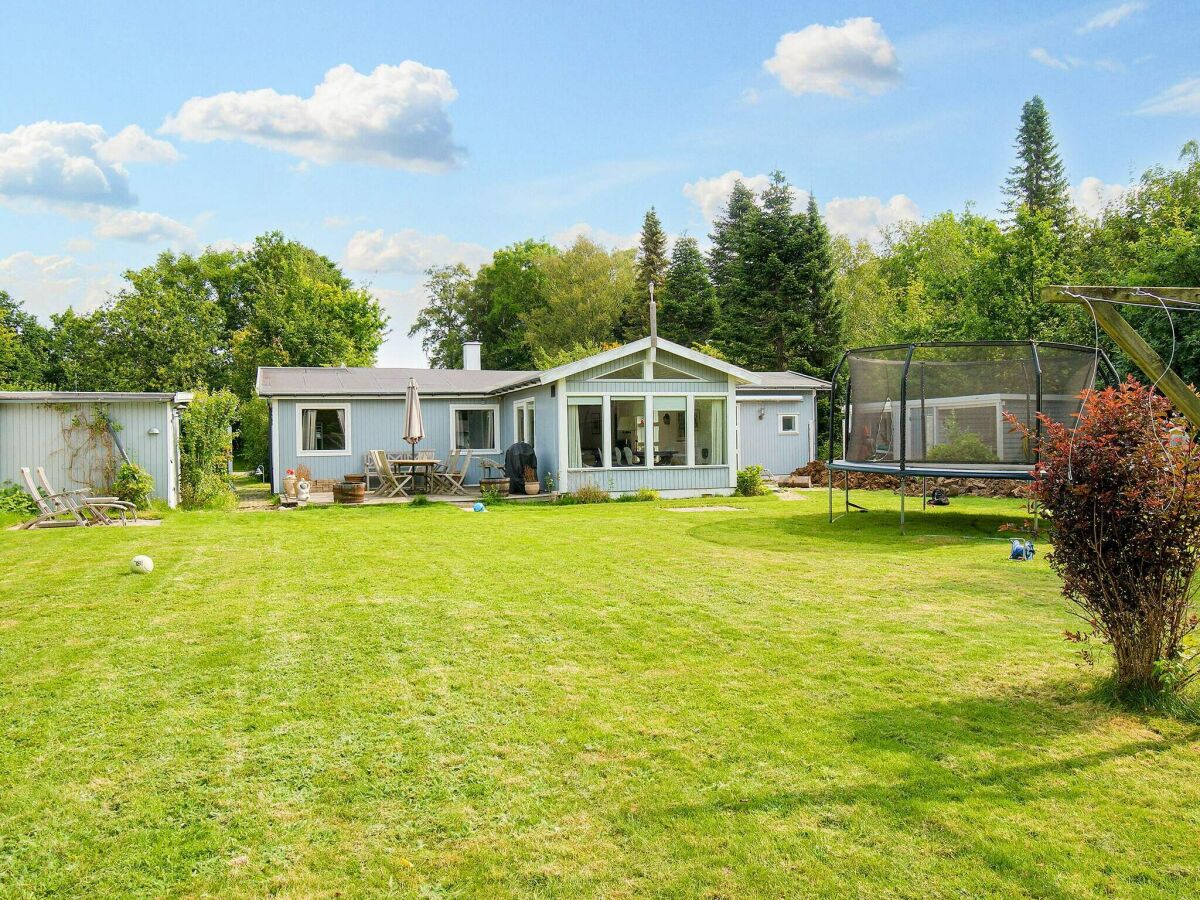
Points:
(565, 701)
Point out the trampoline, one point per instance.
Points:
(946, 409)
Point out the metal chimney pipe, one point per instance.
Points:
(653, 325)
(471, 355)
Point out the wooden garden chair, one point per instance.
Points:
(390, 484)
(51, 508)
(454, 475)
(97, 506)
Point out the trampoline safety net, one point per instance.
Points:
(958, 405)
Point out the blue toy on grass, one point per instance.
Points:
(479, 507)
(1021, 550)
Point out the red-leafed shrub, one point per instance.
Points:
(1123, 492)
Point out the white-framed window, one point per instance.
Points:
(523, 422)
(789, 423)
(671, 432)
(323, 429)
(585, 432)
(663, 372)
(627, 431)
(711, 425)
(473, 428)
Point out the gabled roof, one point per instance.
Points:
(785, 381)
(318, 381)
(582, 365)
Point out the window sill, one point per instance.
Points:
(324, 453)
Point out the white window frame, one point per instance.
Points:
(523, 415)
(794, 431)
(300, 408)
(495, 410)
(692, 426)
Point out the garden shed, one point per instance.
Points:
(81, 438)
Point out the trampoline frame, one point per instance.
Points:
(904, 470)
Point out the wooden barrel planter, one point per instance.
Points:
(349, 492)
(499, 485)
(355, 478)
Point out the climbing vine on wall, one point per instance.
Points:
(88, 444)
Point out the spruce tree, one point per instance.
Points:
(651, 268)
(826, 312)
(1038, 181)
(688, 303)
(727, 265)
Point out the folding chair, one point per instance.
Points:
(390, 484)
(453, 477)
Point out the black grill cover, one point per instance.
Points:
(516, 458)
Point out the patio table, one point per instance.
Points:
(424, 467)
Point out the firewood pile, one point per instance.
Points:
(954, 487)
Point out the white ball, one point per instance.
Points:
(141, 564)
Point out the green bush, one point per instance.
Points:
(420, 500)
(206, 447)
(750, 483)
(590, 493)
(134, 484)
(254, 431)
(641, 495)
(13, 499)
(960, 446)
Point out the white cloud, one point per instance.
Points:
(1111, 17)
(49, 284)
(409, 251)
(1092, 196)
(1042, 55)
(711, 194)
(836, 60)
(1182, 99)
(132, 145)
(335, 222)
(143, 228)
(60, 163)
(864, 218)
(751, 97)
(609, 239)
(395, 116)
(80, 245)
(1067, 62)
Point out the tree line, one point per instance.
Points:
(771, 290)
(202, 322)
(763, 296)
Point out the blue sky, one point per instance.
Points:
(391, 136)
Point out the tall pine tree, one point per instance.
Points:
(826, 312)
(1038, 182)
(727, 263)
(651, 268)
(688, 302)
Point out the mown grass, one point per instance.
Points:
(563, 701)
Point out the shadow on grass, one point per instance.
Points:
(990, 753)
(922, 531)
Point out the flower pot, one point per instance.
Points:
(289, 485)
(533, 487)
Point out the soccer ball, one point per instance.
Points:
(479, 507)
(141, 565)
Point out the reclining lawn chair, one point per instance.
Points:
(54, 511)
(95, 506)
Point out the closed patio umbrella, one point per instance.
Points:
(414, 427)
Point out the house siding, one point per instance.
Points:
(709, 479)
(33, 434)
(759, 440)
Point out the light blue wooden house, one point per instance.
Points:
(648, 414)
(65, 433)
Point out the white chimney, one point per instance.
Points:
(471, 351)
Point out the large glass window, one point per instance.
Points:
(628, 430)
(324, 429)
(670, 431)
(585, 432)
(475, 429)
(711, 425)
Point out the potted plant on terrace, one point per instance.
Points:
(532, 485)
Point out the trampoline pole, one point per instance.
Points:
(922, 489)
(902, 488)
(829, 476)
